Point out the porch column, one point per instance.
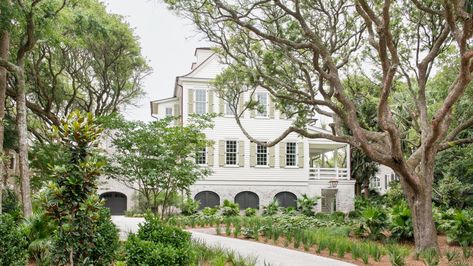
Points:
(348, 161)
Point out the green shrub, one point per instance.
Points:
(461, 229)
(372, 222)
(209, 211)
(189, 206)
(158, 244)
(38, 230)
(397, 255)
(11, 204)
(306, 204)
(430, 257)
(249, 212)
(272, 208)
(230, 209)
(401, 222)
(105, 241)
(13, 244)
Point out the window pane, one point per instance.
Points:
(261, 155)
(200, 101)
(168, 111)
(291, 156)
(231, 152)
(262, 98)
(228, 109)
(201, 157)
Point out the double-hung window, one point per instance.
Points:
(231, 152)
(261, 155)
(201, 156)
(291, 154)
(168, 111)
(229, 109)
(200, 102)
(262, 98)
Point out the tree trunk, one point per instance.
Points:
(420, 203)
(4, 47)
(366, 187)
(21, 124)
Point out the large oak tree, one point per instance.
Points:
(301, 51)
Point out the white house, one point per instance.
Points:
(381, 181)
(249, 174)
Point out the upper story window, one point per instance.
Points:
(375, 182)
(231, 152)
(229, 109)
(261, 155)
(201, 156)
(168, 111)
(291, 154)
(200, 102)
(262, 98)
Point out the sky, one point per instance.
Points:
(168, 43)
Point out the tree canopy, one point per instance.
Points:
(303, 51)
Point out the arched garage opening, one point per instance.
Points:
(115, 201)
(286, 199)
(207, 199)
(247, 199)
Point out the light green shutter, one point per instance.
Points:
(241, 153)
(210, 155)
(300, 154)
(221, 106)
(271, 108)
(241, 103)
(253, 111)
(176, 110)
(252, 154)
(221, 153)
(282, 154)
(211, 101)
(190, 102)
(154, 108)
(271, 156)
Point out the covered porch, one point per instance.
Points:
(329, 161)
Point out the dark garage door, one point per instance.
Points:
(247, 199)
(286, 199)
(207, 199)
(115, 201)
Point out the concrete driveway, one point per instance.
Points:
(264, 254)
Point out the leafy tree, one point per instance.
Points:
(157, 158)
(301, 52)
(72, 201)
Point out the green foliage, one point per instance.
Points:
(156, 156)
(230, 208)
(372, 222)
(38, 230)
(452, 193)
(306, 204)
(430, 257)
(249, 212)
(189, 206)
(158, 244)
(13, 244)
(272, 208)
(397, 255)
(394, 194)
(400, 222)
(83, 232)
(209, 211)
(461, 229)
(11, 204)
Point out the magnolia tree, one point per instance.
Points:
(157, 159)
(302, 52)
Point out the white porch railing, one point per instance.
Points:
(328, 173)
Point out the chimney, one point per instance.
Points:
(202, 54)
